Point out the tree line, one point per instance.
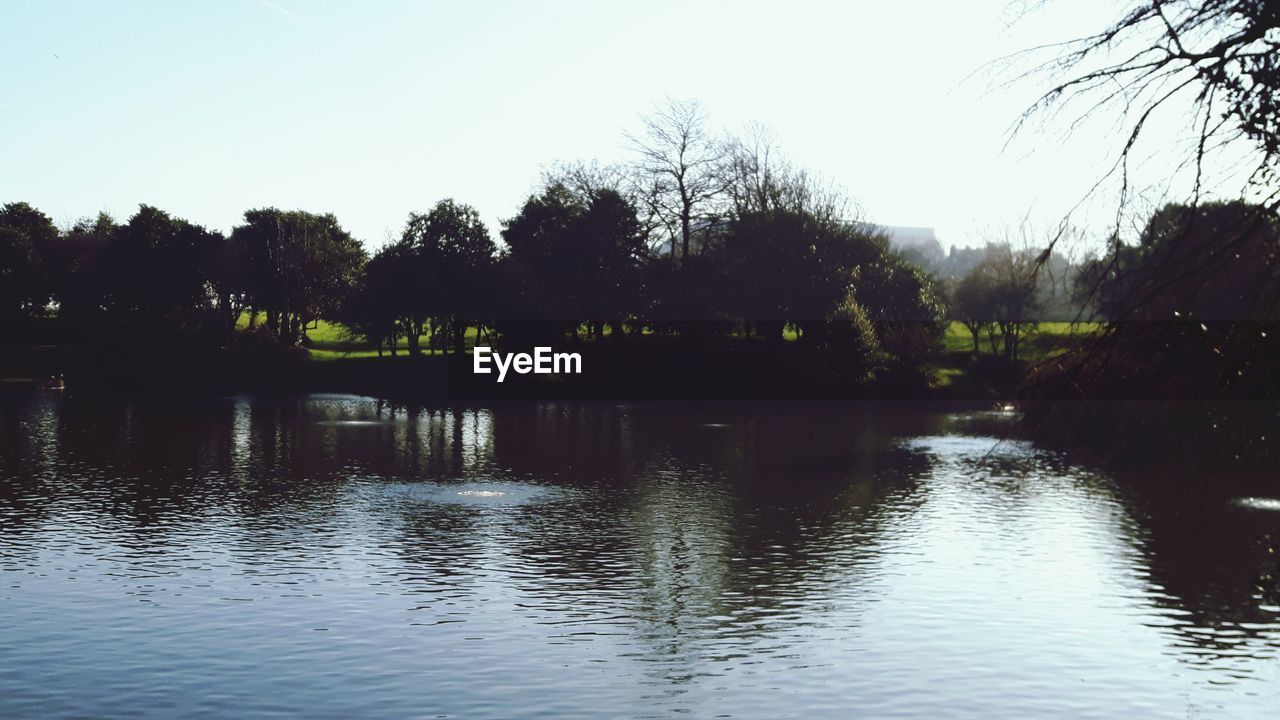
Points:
(162, 277)
(698, 235)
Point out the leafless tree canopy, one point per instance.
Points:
(1213, 63)
(758, 179)
(678, 168)
(587, 179)
(1221, 56)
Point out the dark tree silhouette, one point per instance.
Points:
(78, 280)
(901, 303)
(228, 272)
(575, 256)
(453, 255)
(775, 247)
(300, 266)
(786, 267)
(1163, 278)
(385, 306)
(154, 274)
(836, 282)
(1194, 307)
(609, 255)
(28, 243)
(540, 257)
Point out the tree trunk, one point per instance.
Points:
(459, 339)
(685, 230)
(412, 332)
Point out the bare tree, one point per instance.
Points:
(1016, 275)
(1213, 62)
(972, 300)
(758, 179)
(588, 179)
(677, 169)
(1003, 294)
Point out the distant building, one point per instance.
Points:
(918, 244)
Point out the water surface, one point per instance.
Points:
(336, 556)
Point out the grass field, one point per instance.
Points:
(1048, 339)
(330, 341)
(955, 376)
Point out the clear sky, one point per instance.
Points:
(373, 109)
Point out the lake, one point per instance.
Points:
(339, 556)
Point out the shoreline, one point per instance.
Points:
(609, 373)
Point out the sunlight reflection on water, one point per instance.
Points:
(1259, 503)
(258, 556)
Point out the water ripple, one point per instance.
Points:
(339, 556)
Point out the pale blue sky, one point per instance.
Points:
(372, 109)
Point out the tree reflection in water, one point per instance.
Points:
(672, 557)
